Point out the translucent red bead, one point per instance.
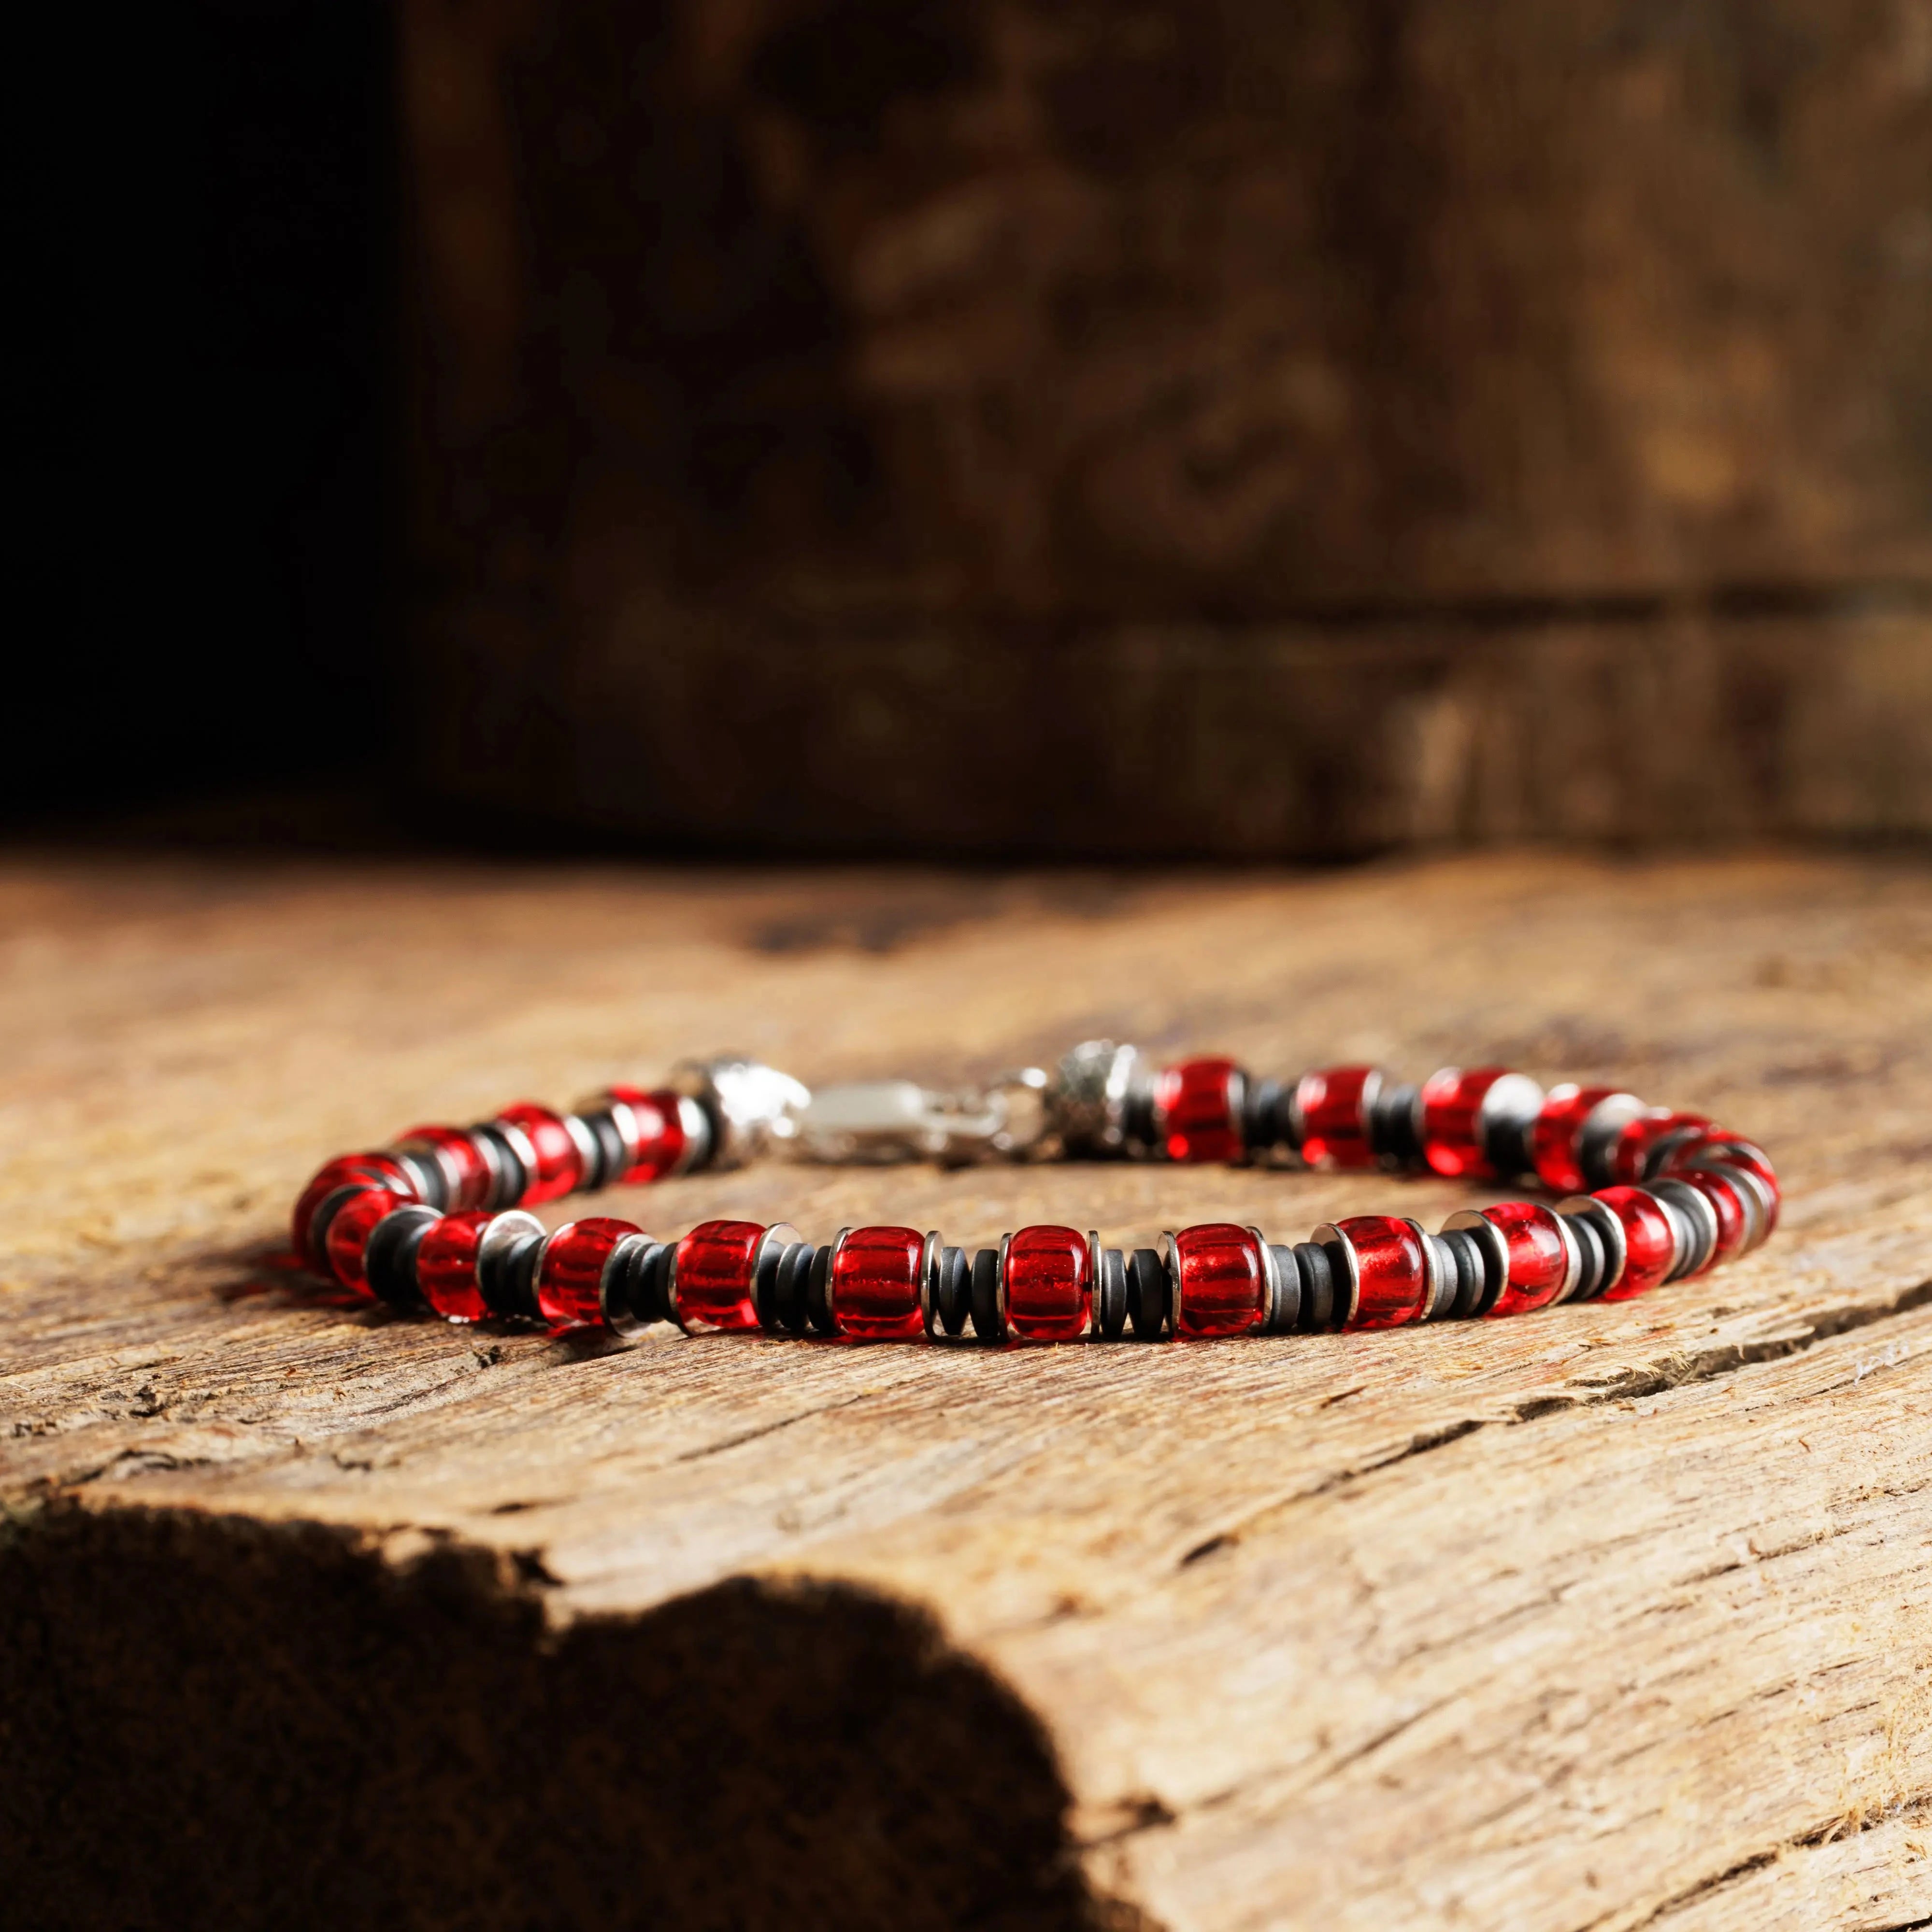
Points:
(1048, 1277)
(1388, 1271)
(445, 1267)
(559, 1161)
(1539, 1255)
(1451, 1106)
(653, 1127)
(1220, 1278)
(1639, 1144)
(1332, 1108)
(1734, 1219)
(470, 1179)
(1553, 1139)
(875, 1284)
(354, 1170)
(1717, 1146)
(1197, 1111)
(350, 1227)
(570, 1277)
(713, 1275)
(1650, 1241)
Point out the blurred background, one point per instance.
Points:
(1251, 428)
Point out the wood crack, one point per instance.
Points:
(738, 1442)
(1659, 1378)
(1708, 1364)
(1837, 1830)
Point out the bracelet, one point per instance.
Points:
(437, 1222)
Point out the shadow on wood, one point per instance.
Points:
(413, 1745)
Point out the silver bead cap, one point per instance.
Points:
(1089, 1093)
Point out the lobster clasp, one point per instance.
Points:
(898, 1120)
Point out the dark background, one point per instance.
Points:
(911, 426)
(206, 485)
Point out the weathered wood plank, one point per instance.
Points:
(1611, 1618)
(854, 314)
(1143, 739)
(1173, 426)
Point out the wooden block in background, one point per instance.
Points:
(1612, 1617)
(994, 429)
(1187, 740)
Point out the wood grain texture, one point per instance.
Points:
(933, 307)
(1614, 1618)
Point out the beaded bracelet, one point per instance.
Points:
(436, 1222)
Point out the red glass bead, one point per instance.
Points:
(874, 1284)
(1734, 1214)
(1650, 1241)
(446, 1266)
(652, 1126)
(1729, 1148)
(350, 1227)
(1332, 1106)
(1223, 1279)
(1553, 1151)
(1049, 1284)
(1390, 1268)
(1632, 1152)
(1540, 1255)
(1452, 1105)
(471, 1181)
(570, 1277)
(1197, 1110)
(348, 1170)
(712, 1275)
(1760, 1196)
(559, 1161)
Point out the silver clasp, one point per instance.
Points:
(899, 1120)
(753, 1108)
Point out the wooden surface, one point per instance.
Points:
(1614, 1618)
(857, 427)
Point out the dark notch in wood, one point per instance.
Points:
(211, 1721)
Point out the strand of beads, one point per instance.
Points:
(437, 1222)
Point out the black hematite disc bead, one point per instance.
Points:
(987, 1324)
(1111, 1293)
(955, 1296)
(388, 1261)
(1147, 1294)
(1317, 1309)
(817, 1309)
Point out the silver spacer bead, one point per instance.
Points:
(1495, 1248)
(1439, 1295)
(589, 1153)
(1760, 1209)
(1610, 1228)
(1572, 1264)
(619, 1319)
(931, 1254)
(1508, 1111)
(1330, 1237)
(1598, 1135)
(1695, 1220)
